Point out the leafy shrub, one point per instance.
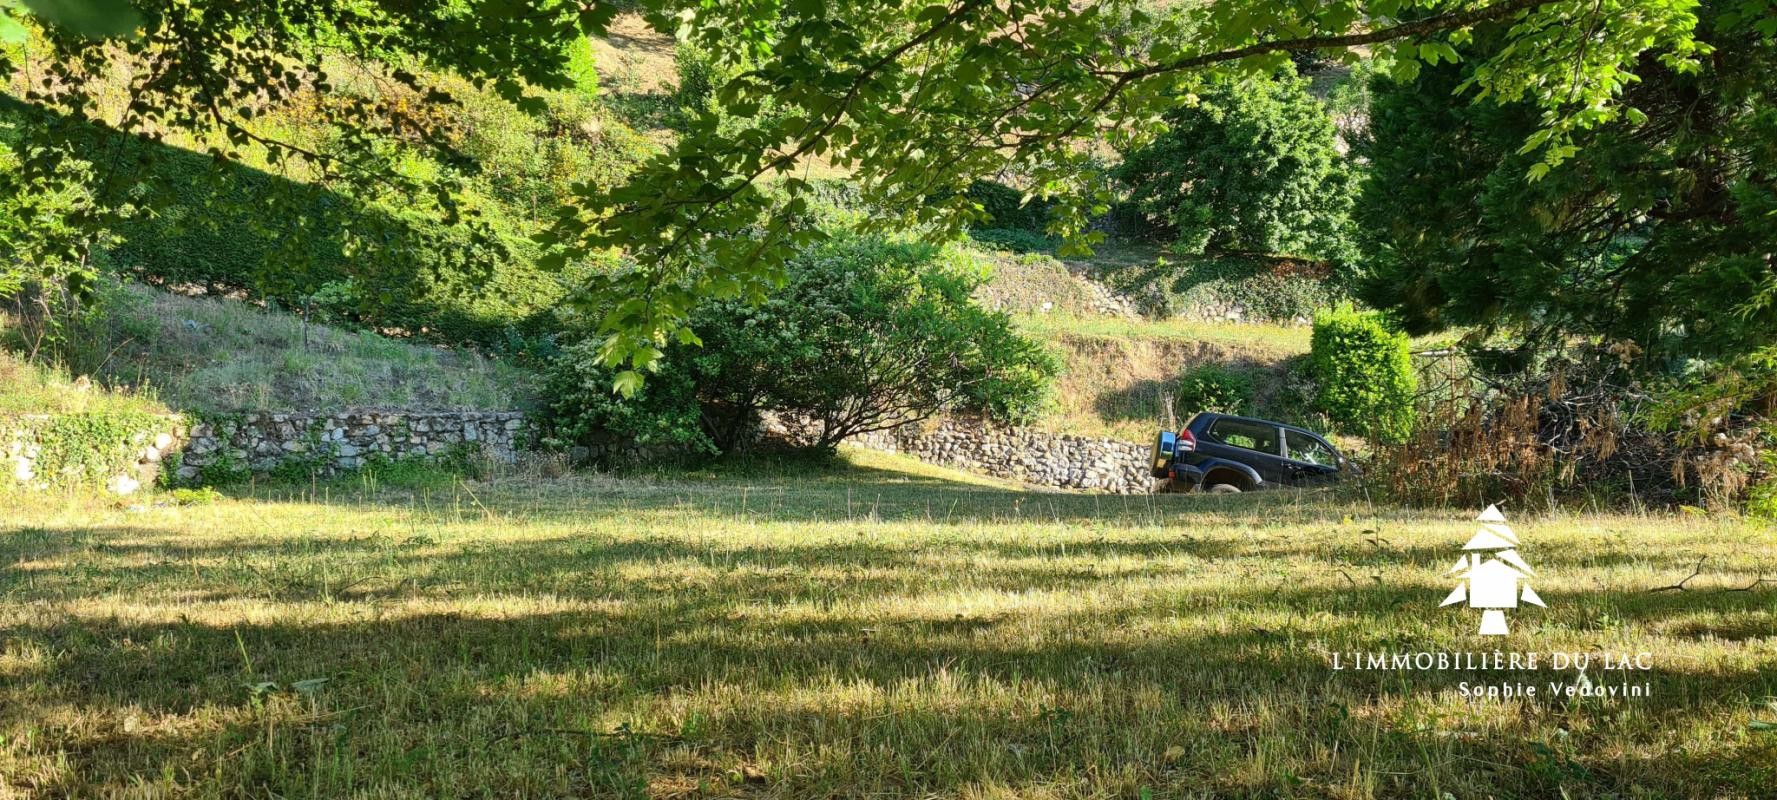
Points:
(1365, 374)
(376, 260)
(703, 73)
(1228, 287)
(700, 76)
(41, 246)
(1761, 501)
(1006, 209)
(1250, 167)
(1213, 387)
(867, 334)
(1013, 239)
(583, 409)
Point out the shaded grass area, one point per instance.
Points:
(858, 632)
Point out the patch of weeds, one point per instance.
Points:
(405, 473)
(170, 464)
(225, 470)
(88, 447)
(1014, 239)
(467, 459)
(314, 460)
(201, 496)
(1554, 763)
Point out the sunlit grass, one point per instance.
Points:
(871, 631)
(31, 388)
(1118, 372)
(1279, 341)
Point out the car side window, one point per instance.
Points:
(1312, 451)
(1245, 435)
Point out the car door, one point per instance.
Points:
(1308, 459)
(1251, 442)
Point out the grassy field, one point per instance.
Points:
(879, 630)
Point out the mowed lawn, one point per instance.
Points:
(875, 631)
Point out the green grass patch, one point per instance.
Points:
(854, 632)
(30, 388)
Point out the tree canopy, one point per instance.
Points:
(868, 334)
(1659, 228)
(1250, 167)
(917, 99)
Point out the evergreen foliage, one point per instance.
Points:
(1658, 227)
(1249, 167)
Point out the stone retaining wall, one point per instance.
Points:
(339, 441)
(334, 442)
(1032, 457)
(229, 446)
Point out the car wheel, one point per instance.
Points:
(1224, 488)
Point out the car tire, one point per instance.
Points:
(1224, 488)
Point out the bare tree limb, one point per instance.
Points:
(1680, 586)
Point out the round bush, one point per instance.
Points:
(1214, 388)
(1365, 374)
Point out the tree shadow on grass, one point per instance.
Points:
(681, 689)
(609, 664)
(839, 493)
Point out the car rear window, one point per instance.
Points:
(1245, 435)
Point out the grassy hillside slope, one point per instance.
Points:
(30, 388)
(1117, 372)
(1117, 365)
(211, 354)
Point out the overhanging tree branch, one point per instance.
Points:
(1406, 30)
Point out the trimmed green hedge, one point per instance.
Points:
(1365, 374)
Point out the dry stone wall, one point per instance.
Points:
(37, 451)
(343, 441)
(1033, 457)
(217, 447)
